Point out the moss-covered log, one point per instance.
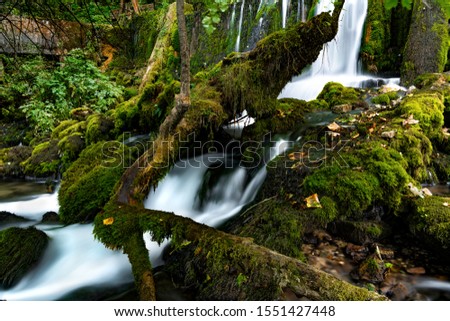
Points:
(227, 266)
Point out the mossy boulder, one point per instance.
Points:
(11, 159)
(7, 218)
(428, 108)
(89, 182)
(70, 147)
(336, 94)
(69, 127)
(430, 221)
(99, 128)
(273, 224)
(44, 160)
(361, 232)
(81, 113)
(20, 250)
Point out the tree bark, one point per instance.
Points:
(182, 101)
(136, 6)
(427, 45)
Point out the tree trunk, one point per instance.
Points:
(427, 45)
(219, 260)
(182, 101)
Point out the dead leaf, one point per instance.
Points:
(313, 201)
(332, 134)
(445, 204)
(410, 121)
(108, 221)
(334, 127)
(355, 136)
(296, 155)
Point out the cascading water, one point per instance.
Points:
(184, 192)
(241, 18)
(338, 61)
(284, 12)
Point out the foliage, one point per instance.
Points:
(47, 94)
(390, 4)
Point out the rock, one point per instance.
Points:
(391, 88)
(398, 292)
(20, 250)
(416, 270)
(371, 270)
(362, 232)
(356, 252)
(342, 109)
(6, 218)
(50, 217)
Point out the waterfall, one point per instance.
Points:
(179, 191)
(238, 39)
(284, 12)
(338, 61)
(303, 9)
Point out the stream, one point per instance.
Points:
(210, 189)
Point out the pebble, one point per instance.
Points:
(416, 270)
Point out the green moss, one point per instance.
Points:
(70, 147)
(318, 104)
(428, 108)
(99, 128)
(78, 127)
(65, 124)
(353, 191)
(431, 221)
(275, 225)
(336, 94)
(89, 182)
(431, 79)
(11, 159)
(382, 99)
(441, 31)
(20, 250)
(44, 161)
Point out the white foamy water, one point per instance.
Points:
(73, 259)
(33, 208)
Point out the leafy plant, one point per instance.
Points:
(76, 82)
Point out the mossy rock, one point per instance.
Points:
(426, 81)
(430, 221)
(126, 116)
(7, 218)
(99, 128)
(70, 147)
(20, 250)
(428, 108)
(336, 94)
(81, 113)
(44, 161)
(68, 128)
(89, 182)
(56, 132)
(362, 232)
(273, 224)
(441, 166)
(11, 159)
